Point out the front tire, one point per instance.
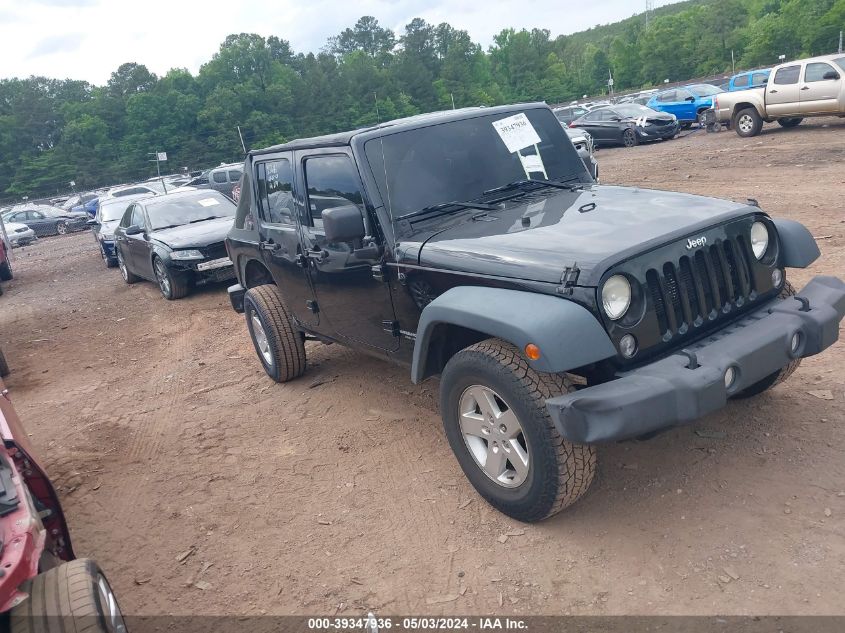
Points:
(74, 596)
(61, 228)
(629, 138)
(280, 347)
(788, 123)
(495, 418)
(110, 262)
(782, 374)
(6, 270)
(748, 122)
(172, 285)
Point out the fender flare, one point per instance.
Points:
(798, 248)
(567, 334)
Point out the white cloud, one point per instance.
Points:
(86, 39)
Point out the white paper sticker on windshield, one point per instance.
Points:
(516, 132)
(533, 163)
(209, 202)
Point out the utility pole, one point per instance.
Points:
(452, 94)
(242, 139)
(649, 6)
(733, 63)
(159, 156)
(840, 41)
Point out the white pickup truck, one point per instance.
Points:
(803, 88)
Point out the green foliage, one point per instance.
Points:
(54, 131)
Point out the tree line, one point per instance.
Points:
(55, 131)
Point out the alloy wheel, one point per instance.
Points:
(111, 611)
(628, 138)
(261, 340)
(163, 279)
(493, 435)
(61, 228)
(122, 265)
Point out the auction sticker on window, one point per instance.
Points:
(516, 132)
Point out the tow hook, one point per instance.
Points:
(692, 358)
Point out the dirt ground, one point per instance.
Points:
(338, 493)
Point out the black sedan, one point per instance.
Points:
(627, 124)
(48, 220)
(176, 240)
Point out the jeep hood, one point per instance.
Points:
(195, 235)
(537, 236)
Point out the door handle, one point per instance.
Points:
(771, 92)
(270, 246)
(805, 88)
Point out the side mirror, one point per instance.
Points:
(133, 230)
(343, 224)
(690, 99)
(831, 75)
(92, 222)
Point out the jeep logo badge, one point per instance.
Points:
(695, 243)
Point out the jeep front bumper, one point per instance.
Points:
(683, 387)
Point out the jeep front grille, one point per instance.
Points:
(699, 287)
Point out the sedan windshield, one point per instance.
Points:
(704, 90)
(457, 161)
(111, 211)
(633, 110)
(166, 213)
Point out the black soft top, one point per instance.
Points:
(390, 127)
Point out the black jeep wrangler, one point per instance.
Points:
(474, 245)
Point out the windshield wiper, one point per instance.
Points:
(169, 226)
(522, 184)
(445, 205)
(211, 217)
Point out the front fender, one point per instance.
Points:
(567, 334)
(797, 245)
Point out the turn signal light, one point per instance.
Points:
(532, 351)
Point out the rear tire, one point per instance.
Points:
(279, 345)
(747, 122)
(6, 270)
(74, 596)
(552, 473)
(782, 374)
(788, 123)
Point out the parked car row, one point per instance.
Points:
(175, 240)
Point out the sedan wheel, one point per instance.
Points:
(629, 137)
(172, 285)
(163, 278)
(61, 228)
(128, 276)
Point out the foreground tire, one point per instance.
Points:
(747, 122)
(495, 418)
(4, 366)
(787, 123)
(172, 285)
(128, 276)
(629, 138)
(61, 228)
(782, 374)
(280, 347)
(74, 596)
(6, 270)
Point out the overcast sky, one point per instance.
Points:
(88, 39)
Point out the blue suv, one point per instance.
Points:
(749, 79)
(687, 103)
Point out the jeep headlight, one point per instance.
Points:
(759, 239)
(187, 254)
(616, 296)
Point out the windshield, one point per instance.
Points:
(458, 161)
(633, 110)
(704, 90)
(166, 213)
(111, 211)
